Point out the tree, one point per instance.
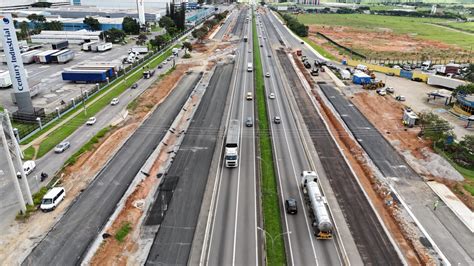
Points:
(53, 25)
(113, 35)
(469, 76)
(464, 89)
(37, 20)
(92, 23)
(158, 42)
(434, 128)
(166, 22)
(188, 46)
(141, 39)
(130, 25)
(24, 29)
(182, 17)
(200, 34)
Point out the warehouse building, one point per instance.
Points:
(76, 37)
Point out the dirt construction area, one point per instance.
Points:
(382, 43)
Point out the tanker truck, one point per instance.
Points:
(321, 222)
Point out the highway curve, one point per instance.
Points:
(372, 242)
(69, 239)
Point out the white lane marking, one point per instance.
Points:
(291, 160)
(220, 173)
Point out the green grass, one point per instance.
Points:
(467, 173)
(416, 27)
(319, 49)
(87, 146)
(29, 153)
(155, 28)
(275, 246)
(123, 231)
(469, 188)
(37, 198)
(463, 26)
(66, 130)
(1, 108)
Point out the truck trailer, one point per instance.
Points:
(45, 57)
(5, 79)
(138, 50)
(445, 82)
(60, 45)
(62, 56)
(232, 140)
(84, 76)
(29, 57)
(87, 46)
(102, 47)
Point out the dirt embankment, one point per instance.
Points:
(413, 250)
(382, 43)
(386, 113)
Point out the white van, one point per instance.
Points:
(51, 200)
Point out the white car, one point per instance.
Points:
(28, 167)
(114, 101)
(382, 92)
(91, 121)
(267, 74)
(271, 95)
(62, 147)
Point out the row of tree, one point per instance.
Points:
(297, 27)
(201, 33)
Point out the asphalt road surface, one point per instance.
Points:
(373, 243)
(51, 162)
(233, 237)
(291, 160)
(447, 231)
(190, 168)
(68, 241)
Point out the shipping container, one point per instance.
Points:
(84, 76)
(109, 71)
(60, 45)
(361, 78)
(116, 66)
(406, 74)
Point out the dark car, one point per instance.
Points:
(291, 206)
(134, 86)
(249, 122)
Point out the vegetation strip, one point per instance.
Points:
(275, 246)
(122, 84)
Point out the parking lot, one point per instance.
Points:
(53, 88)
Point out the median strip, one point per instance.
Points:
(275, 246)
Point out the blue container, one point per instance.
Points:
(406, 74)
(87, 77)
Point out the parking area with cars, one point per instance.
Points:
(54, 92)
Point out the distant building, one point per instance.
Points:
(74, 24)
(16, 4)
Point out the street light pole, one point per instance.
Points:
(84, 102)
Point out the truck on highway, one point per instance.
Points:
(231, 155)
(321, 222)
(445, 82)
(138, 50)
(148, 74)
(60, 45)
(249, 67)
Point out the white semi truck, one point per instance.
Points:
(321, 222)
(232, 141)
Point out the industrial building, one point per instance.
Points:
(76, 37)
(74, 24)
(16, 4)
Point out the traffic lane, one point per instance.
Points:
(246, 250)
(290, 161)
(172, 243)
(69, 239)
(221, 247)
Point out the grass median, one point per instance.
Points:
(275, 246)
(120, 85)
(319, 49)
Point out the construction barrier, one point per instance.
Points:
(420, 75)
(397, 72)
(406, 74)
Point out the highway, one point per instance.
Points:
(51, 162)
(190, 170)
(291, 159)
(69, 239)
(233, 233)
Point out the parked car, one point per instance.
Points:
(51, 200)
(249, 122)
(271, 95)
(160, 66)
(91, 121)
(381, 92)
(114, 101)
(400, 98)
(61, 147)
(390, 74)
(390, 89)
(276, 119)
(134, 86)
(291, 206)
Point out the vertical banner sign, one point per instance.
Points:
(12, 54)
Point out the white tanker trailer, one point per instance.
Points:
(322, 225)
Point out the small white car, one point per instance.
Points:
(91, 121)
(390, 89)
(28, 167)
(381, 92)
(271, 95)
(267, 74)
(249, 96)
(277, 120)
(61, 147)
(114, 101)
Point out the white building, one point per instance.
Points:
(125, 3)
(15, 4)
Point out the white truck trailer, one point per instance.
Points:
(232, 141)
(138, 50)
(5, 79)
(87, 46)
(445, 82)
